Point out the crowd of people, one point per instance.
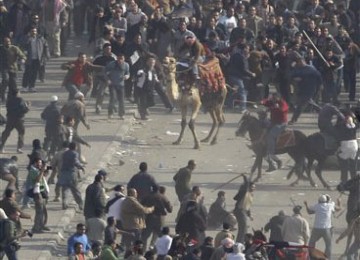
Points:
(307, 49)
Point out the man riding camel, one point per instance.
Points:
(193, 51)
(278, 117)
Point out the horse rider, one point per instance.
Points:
(278, 117)
(325, 117)
(348, 150)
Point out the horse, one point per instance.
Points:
(253, 126)
(9, 172)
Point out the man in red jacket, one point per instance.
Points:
(279, 117)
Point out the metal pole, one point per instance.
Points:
(317, 50)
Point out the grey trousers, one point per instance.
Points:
(40, 213)
(326, 234)
(75, 192)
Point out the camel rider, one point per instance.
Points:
(194, 52)
(326, 114)
(279, 117)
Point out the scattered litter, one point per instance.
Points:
(229, 165)
(121, 162)
(61, 236)
(205, 132)
(172, 133)
(301, 194)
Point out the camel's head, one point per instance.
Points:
(169, 64)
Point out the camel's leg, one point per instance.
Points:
(183, 125)
(220, 121)
(318, 172)
(192, 129)
(214, 124)
(195, 110)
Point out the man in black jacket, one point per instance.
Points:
(95, 200)
(237, 71)
(16, 109)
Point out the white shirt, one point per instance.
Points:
(163, 244)
(115, 208)
(323, 213)
(229, 22)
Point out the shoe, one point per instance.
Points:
(171, 109)
(56, 200)
(98, 110)
(121, 118)
(279, 164)
(32, 90)
(45, 228)
(37, 231)
(24, 90)
(110, 116)
(19, 151)
(144, 118)
(81, 207)
(26, 206)
(271, 168)
(65, 207)
(291, 122)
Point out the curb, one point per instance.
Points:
(68, 215)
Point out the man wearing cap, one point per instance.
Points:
(322, 228)
(296, 228)
(100, 80)
(76, 109)
(52, 117)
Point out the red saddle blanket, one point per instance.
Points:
(285, 139)
(212, 77)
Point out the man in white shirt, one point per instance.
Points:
(163, 243)
(322, 225)
(113, 205)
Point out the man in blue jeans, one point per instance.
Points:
(237, 71)
(117, 72)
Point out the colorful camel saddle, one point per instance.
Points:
(285, 139)
(211, 75)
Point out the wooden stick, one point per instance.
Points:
(317, 50)
(229, 181)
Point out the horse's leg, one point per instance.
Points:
(195, 110)
(214, 124)
(308, 171)
(183, 125)
(220, 122)
(12, 182)
(258, 165)
(318, 172)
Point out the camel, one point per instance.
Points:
(190, 96)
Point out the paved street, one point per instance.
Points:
(119, 147)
